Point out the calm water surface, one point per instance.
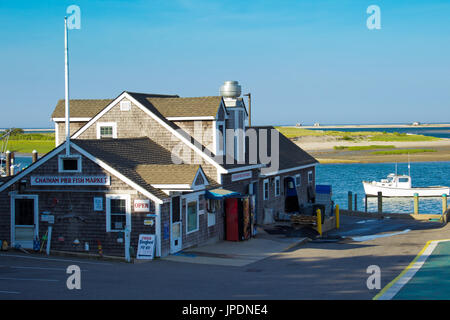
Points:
(349, 177)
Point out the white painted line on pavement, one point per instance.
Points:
(52, 259)
(376, 236)
(9, 292)
(397, 284)
(37, 268)
(21, 279)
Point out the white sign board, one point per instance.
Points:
(70, 180)
(146, 246)
(241, 176)
(141, 205)
(48, 218)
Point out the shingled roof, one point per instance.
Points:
(165, 105)
(80, 108)
(290, 155)
(141, 160)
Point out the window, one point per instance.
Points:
(310, 177)
(277, 187)
(266, 189)
(403, 180)
(117, 213)
(70, 163)
(201, 202)
(192, 217)
(106, 130)
(125, 105)
(298, 180)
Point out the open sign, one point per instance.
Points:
(141, 205)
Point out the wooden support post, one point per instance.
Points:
(350, 201)
(8, 163)
(319, 222)
(380, 202)
(34, 156)
(416, 203)
(356, 202)
(444, 203)
(365, 203)
(337, 216)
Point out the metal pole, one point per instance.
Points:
(319, 222)
(66, 78)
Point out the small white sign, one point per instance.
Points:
(241, 176)
(146, 246)
(70, 180)
(48, 218)
(98, 204)
(141, 205)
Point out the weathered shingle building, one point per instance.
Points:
(148, 162)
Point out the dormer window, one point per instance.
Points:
(106, 130)
(70, 163)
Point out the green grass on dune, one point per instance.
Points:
(402, 151)
(362, 148)
(27, 146)
(292, 132)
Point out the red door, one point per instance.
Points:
(232, 215)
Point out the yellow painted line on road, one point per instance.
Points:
(390, 290)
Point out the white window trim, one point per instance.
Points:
(107, 124)
(190, 200)
(266, 182)
(310, 174)
(299, 179)
(61, 157)
(216, 138)
(108, 210)
(277, 194)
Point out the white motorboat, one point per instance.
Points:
(400, 186)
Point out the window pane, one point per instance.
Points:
(70, 164)
(192, 216)
(106, 132)
(24, 214)
(118, 221)
(118, 206)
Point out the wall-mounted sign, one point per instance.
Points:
(48, 218)
(146, 246)
(141, 205)
(241, 176)
(70, 180)
(149, 222)
(98, 203)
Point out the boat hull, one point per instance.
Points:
(372, 189)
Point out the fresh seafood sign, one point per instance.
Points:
(70, 180)
(146, 246)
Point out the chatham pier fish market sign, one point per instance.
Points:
(70, 180)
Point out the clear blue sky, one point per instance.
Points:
(303, 61)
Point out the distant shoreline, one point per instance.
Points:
(356, 126)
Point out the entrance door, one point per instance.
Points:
(24, 220)
(175, 235)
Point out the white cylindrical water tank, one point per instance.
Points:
(230, 89)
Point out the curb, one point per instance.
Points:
(297, 243)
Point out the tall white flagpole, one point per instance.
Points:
(66, 76)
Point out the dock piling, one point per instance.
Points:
(337, 216)
(356, 202)
(350, 196)
(365, 203)
(416, 203)
(444, 203)
(34, 156)
(319, 222)
(8, 163)
(380, 202)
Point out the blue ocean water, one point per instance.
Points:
(441, 132)
(349, 177)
